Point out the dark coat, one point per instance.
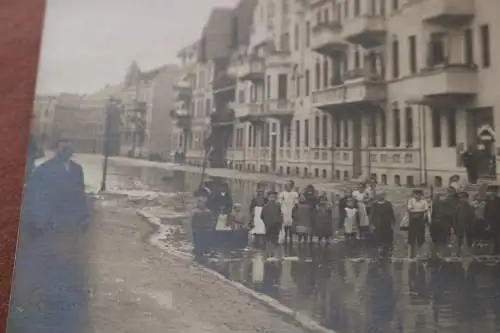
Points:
(492, 214)
(382, 215)
(55, 197)
(272, 217)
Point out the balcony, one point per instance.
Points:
(361, 92)
(182, 118)
(447, 12)
(247, 111)
(327, 39)
(222, 118)
(278, 59)
(183, 91)
(252, 69)
(449, 84)
(366, 30)
(282, 109)
(317, 3)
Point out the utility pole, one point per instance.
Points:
(110, 107)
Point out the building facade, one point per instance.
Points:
(393, 89)
(148, 98)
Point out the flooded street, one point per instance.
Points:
(345, 288)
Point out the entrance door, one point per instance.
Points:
(482, 137)
(274, 143)
(357, 169)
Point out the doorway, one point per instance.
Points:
(481, 136)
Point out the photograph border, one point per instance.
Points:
(21, 23)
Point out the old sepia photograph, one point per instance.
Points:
(298, 166)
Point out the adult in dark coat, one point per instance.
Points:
(470, 160)
(50, 259)
(492, 216)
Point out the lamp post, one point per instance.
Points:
(110, 108)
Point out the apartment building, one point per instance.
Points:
(342, 89)
(202, 113)
(43, 119)
(148, 97)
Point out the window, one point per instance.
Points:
(357, 60)
(326, 16)
(346, 9)
(372, 127)
(308, 34)
(397, 128)
(346, 132)
(285, 42)
(282, 86)
(298, 82)
(485, 45)
(268, 87)
(325, 131)
(250, 129)
(382, 7)
(288, 135)
(307, 78)
(395, 59)
(338, 131)
(468, 47)
(452, 128)
(306, 133)
(325, 74)
(383, 123)
(357, 7)
(208, 109)
(437, 50)
(317, 134)
(282, 135)
(296, 37)
(409, 126)
(318, 17)
(436, 128)
(254, 137)
(234, 32)
(297, 133)
(317, 68)
(395, 4)
(412, 44)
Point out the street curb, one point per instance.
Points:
(303, 320)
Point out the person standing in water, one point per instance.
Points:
(273, 220)
(302, 217)
(383, 219)
(418, 209)
(288, 199)
(324, 220)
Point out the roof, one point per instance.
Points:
(188, 49)
(218, 16)
(105, 93)
(151, 74)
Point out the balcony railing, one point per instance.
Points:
(447, 12)
(327, 38)
(355, 90)
(252, 69)
(448, 80)
(366, 30)
(279, 108)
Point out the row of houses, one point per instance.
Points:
(337, 89)
(142, 127)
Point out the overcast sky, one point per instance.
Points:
(90, 43)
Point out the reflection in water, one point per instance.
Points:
(360, 296)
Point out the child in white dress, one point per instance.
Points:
(351, 221)
(257, 224)
(288, 198)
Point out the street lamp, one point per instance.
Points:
(112, 106)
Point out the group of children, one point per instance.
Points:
(360, 213)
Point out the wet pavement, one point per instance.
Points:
(345, 287)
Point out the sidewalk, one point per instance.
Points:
(139, 288)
